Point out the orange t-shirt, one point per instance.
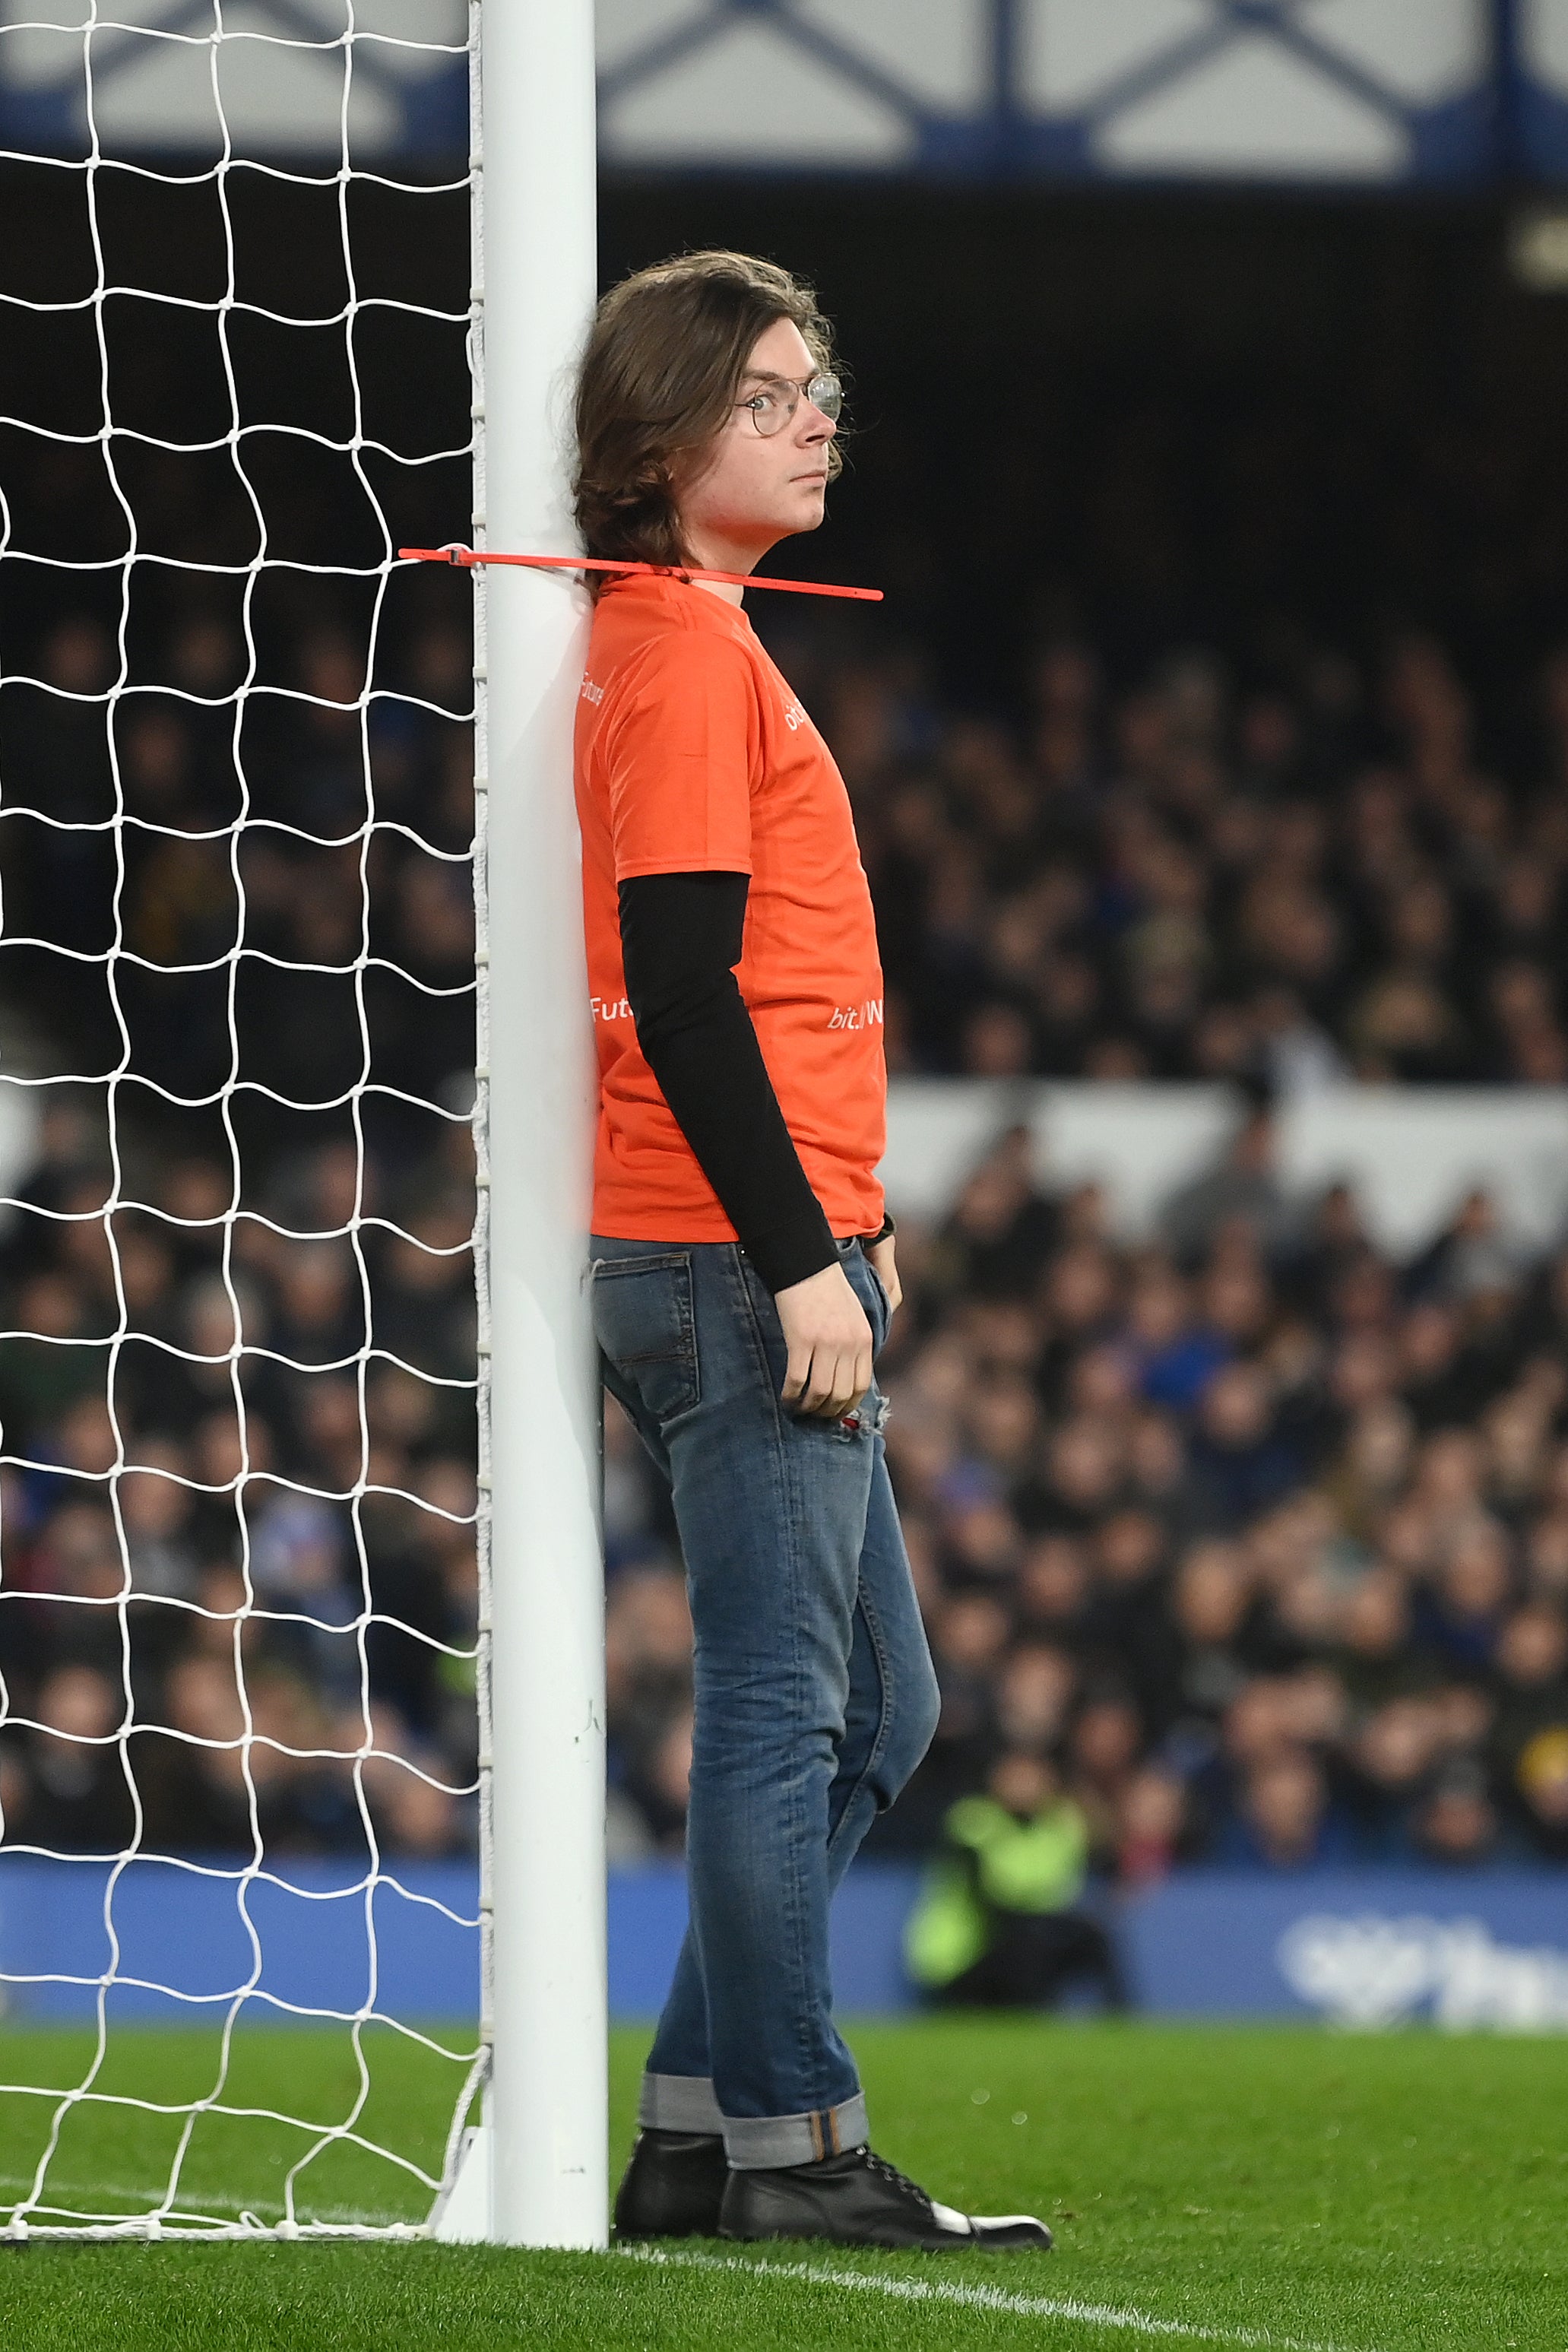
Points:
(693, 756)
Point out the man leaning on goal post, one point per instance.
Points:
(742, 1267)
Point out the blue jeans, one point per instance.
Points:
(815, 1697)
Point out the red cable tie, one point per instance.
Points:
(468, 556)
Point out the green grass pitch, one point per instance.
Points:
(1223, 2186)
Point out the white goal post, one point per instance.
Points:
(536, 274)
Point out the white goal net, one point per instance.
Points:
(242, 1561)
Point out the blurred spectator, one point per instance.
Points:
(73, 1791)
(1153, 1827)
(1238, 1464)
(661, 1780)
(1540, 1784)
(1241, 1196)
(996, 1924)
(1282, 1817)
(1457, 1823)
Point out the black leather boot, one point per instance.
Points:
(858, 2200)
(673, 2186)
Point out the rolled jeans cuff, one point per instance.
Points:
(679, 2103)
(761, 2143)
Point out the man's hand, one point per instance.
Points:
(879, 1258)
(830, 1344)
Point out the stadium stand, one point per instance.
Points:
(300, 1289)
(1314, 875)
(1263, 1537)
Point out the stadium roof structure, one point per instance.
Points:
(1371, 94)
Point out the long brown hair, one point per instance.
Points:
(665, 355)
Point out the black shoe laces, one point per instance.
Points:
(891, 2173)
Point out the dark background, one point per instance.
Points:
(1160, 417)
(1152, 418)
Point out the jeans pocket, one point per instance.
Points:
(645, 1322)
(880, 1330)
(855, 1259)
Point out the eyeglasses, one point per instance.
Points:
(774, 404)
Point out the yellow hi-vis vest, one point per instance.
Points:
(995, 1863)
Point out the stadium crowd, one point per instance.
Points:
(1259, 1540)
(1318, 873)
(264, 1562)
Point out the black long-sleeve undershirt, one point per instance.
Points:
(680, 941)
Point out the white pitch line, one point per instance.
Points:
(986, 2298)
